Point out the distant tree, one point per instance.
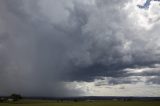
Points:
(1, 99)
(75, 100)
(16, 97)
(61, 100)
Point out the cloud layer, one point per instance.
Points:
(44, 43)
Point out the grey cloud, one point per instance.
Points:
(154, 80)
(111, 81)
(87, 41)
(36, 52)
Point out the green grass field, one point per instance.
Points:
(83, 103)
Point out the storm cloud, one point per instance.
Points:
(44, 43)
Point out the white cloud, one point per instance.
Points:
(143, 70)
(138, 89)
(143, 18)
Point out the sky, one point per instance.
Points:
(63, 48)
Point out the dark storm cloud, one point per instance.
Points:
(43, 45)
(36, 52)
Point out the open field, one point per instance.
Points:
(82, 103)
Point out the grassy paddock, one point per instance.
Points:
(82, 103)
